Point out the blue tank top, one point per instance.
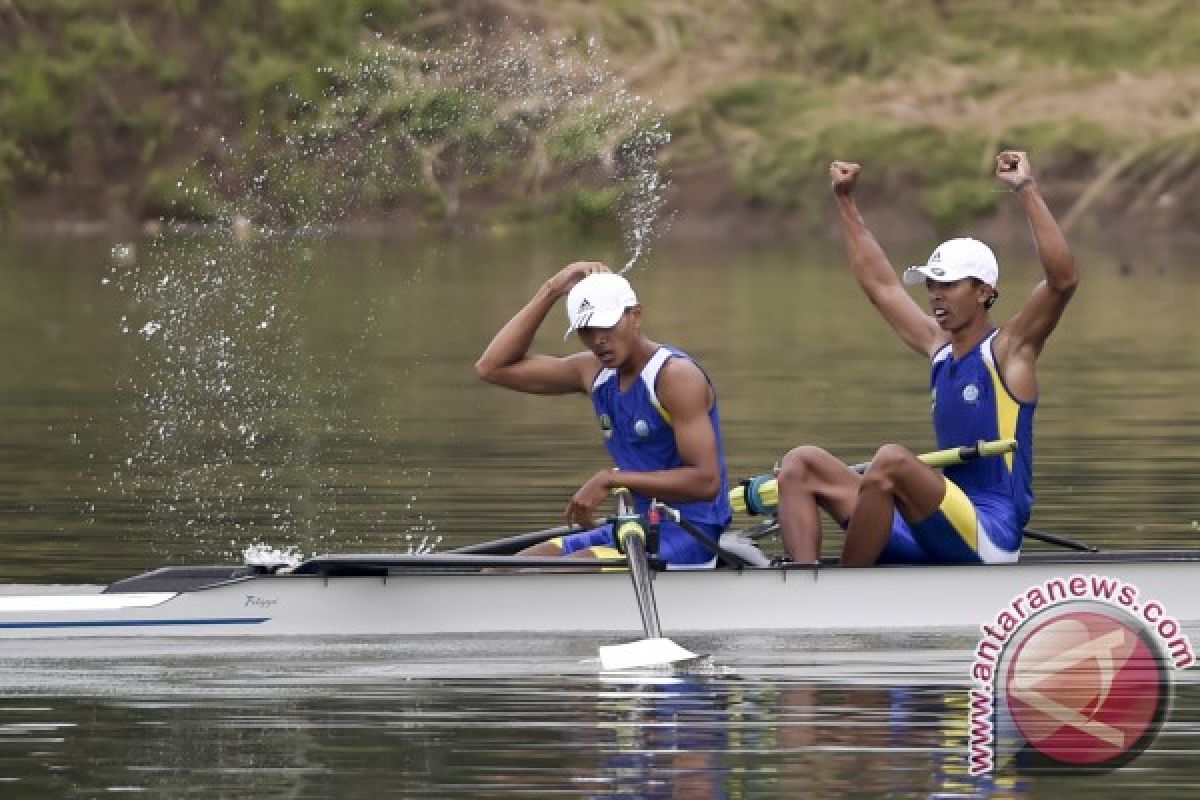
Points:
(638, 435)
(971, 403)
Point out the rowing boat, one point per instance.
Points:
(462, 594)
(485, 589)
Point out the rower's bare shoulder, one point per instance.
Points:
(683, 372)
(682, 383)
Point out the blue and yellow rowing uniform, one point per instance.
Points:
(988, 500)
(638, 435)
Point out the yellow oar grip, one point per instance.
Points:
(957, 455)
(764, 492)
(764, 489)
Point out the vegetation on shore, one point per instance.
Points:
(164, 108)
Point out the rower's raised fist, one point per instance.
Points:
(1012, 168)
(844, 175)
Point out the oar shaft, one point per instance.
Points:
(514, 544)
(639, 570)
(939, 459)
(960, 455)
(1061, 541)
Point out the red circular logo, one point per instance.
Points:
(1086, 689)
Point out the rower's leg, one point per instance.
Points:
(896, 479)
(809, 480)
(551, 548)
(573, 545)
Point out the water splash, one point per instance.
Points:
(233, 422)
(647, 196)
(261, 554)
(519, 107)
(422, 546)
(218, 413)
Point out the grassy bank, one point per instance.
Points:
(106, 114)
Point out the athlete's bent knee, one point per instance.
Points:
(796, 468)
(890, 460)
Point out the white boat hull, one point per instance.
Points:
(949, 598)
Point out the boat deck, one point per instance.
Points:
(190, 578)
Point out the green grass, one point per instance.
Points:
(922, 91)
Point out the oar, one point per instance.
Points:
(654, 649)
(760, 495)
(514, 544)
(1061, 541)
(957, 455)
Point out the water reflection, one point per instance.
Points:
(518, 717)
(664, 738)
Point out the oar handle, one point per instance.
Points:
(624, 500)
(960, 455)
(760, 495)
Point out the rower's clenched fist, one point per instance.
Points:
(1013, 168)
(844, 176)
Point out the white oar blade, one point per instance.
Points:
(643, 653)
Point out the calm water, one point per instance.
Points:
(520, 718)
(191, 398)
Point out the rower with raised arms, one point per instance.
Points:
(655, 407)
(984, 385)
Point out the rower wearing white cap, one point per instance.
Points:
(656, 409)
(984, 385)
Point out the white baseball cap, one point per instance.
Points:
(598, 301)
(956, 259)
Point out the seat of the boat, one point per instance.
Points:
(744, 548)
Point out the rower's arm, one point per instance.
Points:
(685, 393)
(1022, 338)
(687, 396)
(875, 273)
(507, 362)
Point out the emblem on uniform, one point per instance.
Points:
(933, 397)
(606, 426)
(970, 394)
(641, 428)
